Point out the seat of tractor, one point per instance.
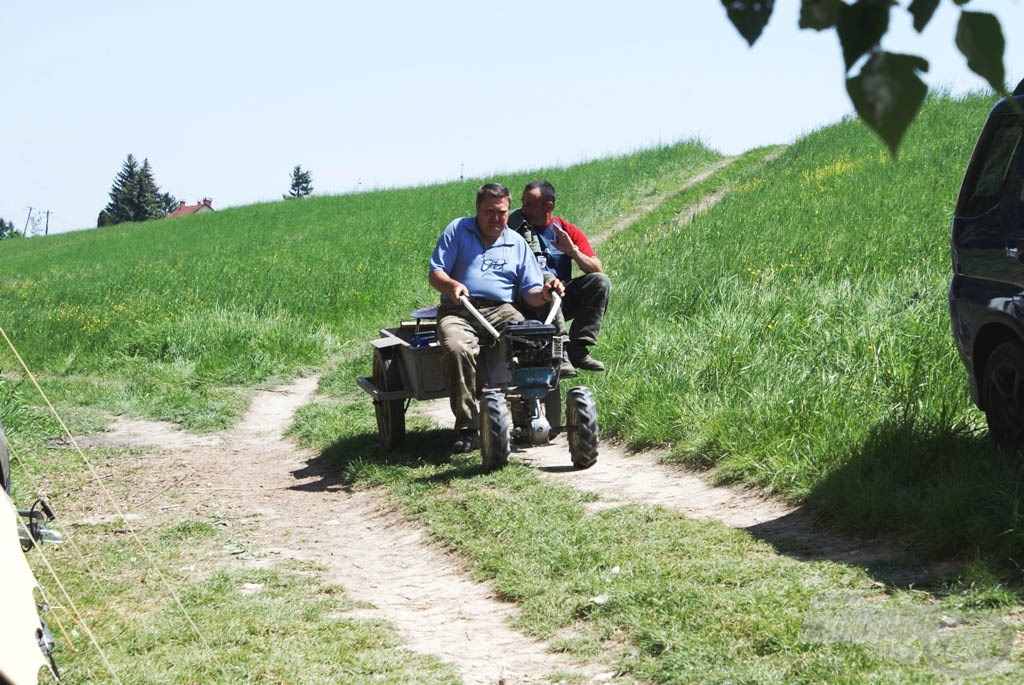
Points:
(424, 313)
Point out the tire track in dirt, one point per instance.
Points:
(703, 205)
(652, 203)
(620, 478)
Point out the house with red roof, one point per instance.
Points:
(206, 205)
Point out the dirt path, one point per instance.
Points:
(259, 480)
(264, 483)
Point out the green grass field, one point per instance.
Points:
(793, 337)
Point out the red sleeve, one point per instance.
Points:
(577, 236)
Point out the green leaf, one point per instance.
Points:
(749, 16)
(888, 93)
(861, 27)
(819, 14)
(980, 39)
(922, 11)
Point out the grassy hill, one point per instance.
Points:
(169, 318)
(793, 336)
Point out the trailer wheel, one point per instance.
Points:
(495, 429)
(390, 413)
(581, 427)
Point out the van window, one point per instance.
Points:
(986, 175)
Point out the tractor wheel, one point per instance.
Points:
(495, 429)
(553, 411)
(1003, 389)
(390, 413)
(581, 426)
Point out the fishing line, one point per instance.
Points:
(117, 509)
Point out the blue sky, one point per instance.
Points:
(225, 97)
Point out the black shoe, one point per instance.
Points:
(468, 441)
(581, 359)
(566, 369)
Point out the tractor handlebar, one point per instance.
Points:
(556, 304)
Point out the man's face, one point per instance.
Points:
(492, 216)
(535, 208)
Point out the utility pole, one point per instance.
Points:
(47, 231)
(24, 231)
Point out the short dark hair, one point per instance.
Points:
(547, 191)
(495, 190)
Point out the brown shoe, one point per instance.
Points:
(581, 359)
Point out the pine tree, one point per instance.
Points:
(121, 193)
(302, 183)
(135, 196)
(168, 203)
(148, 205)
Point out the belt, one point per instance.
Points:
(485, 302)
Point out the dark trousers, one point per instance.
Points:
(585, 301)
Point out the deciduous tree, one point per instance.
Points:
(7, 229)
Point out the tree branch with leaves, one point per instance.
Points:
(886, 90)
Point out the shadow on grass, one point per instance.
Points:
(913, 495)
(344, 463)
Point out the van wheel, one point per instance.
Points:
(1004, 397)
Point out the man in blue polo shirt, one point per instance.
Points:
(478, 257)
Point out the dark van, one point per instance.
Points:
(986, 295)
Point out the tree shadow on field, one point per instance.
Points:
(917, 495)
(341, 465)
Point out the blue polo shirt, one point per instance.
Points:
(500, 272)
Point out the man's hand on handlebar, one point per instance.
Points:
(554, 285)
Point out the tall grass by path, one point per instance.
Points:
(797, 337)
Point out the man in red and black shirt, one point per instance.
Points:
(558, 244)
